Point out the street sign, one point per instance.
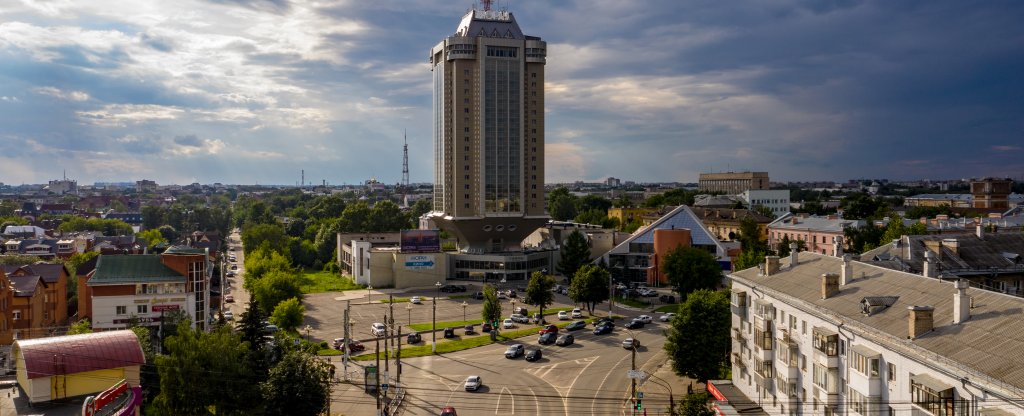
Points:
(384, 387)
(637, 374)
(639, 394)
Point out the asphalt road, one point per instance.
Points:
(233, 285)
(588, 377)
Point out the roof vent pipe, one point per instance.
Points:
(961, 302)
(846, 275)
(931, 266)
(921, 321)
(792, 255)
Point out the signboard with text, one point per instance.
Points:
(162, 308)
(421, 241)
(419, 262)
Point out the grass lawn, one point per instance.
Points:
(394, 300)
(668, 308)
(328, 351)
(459, 344)
(319, 281)
(632, 302)
(445, 324)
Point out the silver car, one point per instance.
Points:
(473, 383)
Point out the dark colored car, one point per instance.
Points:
(603, 329)
(547, 338)
(512, 294)
(353, 345)
(460, 288)
(514, 350)
(414, 338)
(448, 411)
(486, 327)
(576, 325)
(478, 295)
(604, 321)
(448, 288)
(449, 332)
(549, 329)
(469, 330)
(634, 324)
(534, 355)
(667, 298)
(564, 340)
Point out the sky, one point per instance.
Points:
(244, 92)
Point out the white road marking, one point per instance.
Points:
(600, 387)
(497, 406)
(536, 403)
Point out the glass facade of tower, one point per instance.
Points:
(439, 126)
(502, 131)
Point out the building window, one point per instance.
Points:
(826, 343)
(892, 372)
(121, 310)
(936, 402)
(826, 378)
(857, 402)
(142, 308)
(17, 315)
(863, 363)
(465, 129)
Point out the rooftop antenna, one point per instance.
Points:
(405, 168)
(487, 5)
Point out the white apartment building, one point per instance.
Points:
(777, 200)
(822, 335)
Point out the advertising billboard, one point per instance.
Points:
(421, 241)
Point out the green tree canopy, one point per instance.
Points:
(575, 253)
(695, 405)
(689, 269)
(288, 314)
(698, 340)
(82, 326)
(562, 204)
(265, 236)
(152, 237)
(299, 385)
(107, 227)
(589, 286)
(261, 262)
(492, 306)
(538, 291)
(275, 287)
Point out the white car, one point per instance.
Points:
(645, 319)
(508, 324)
(416, 300)
(228, 316)
(563, 316)
(630, 343)
(519, 318)
(501, 295)
(577, 314)
(378, 329)
(667, 317)
(473, 383)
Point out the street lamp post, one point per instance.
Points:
(632, 379)
(409, 309)
(433, 319)
(308, 328)
(368, 289)
(464, 305)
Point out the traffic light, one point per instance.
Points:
(639, 405)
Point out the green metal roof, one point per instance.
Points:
(140, 268)
(184, 250)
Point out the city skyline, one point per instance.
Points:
(255, 92)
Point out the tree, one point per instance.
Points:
(265, 237)
(421, 207)
(575, 253)
(754, 249)
(288, 314)
(698, 339)
(694, 405)
(298, 385)
(262, 262)
(589, 286)
(250, 328)
(386, 216)
(538, 291)
(274, 288)
(690, 269)
(562, 204)
(203, 370)
(623, 201)
(81, 327)
(492, 307)
(152, 237)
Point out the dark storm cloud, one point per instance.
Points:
(188, 140)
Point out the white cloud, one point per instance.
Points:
(121, 115)
(10, 99)
(63, 95)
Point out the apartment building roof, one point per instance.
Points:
(25, 285)
(962, 253)
(50, 272)
(80, 353)
(987, 348)
(679, 218)
(121, 269)
(809, 223)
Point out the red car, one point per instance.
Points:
(229, 299)
(550, 328)
(448, 411)
(353, 345)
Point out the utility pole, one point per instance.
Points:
(633, 380)
(433, 326)
(348, 337)
(611, 295)
(376, 388)
(398, 355)
(387, 357)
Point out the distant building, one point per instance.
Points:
(777, 201)
(822, 335)
(145, 185)
(725, 223)
(991, 193)
(613, 182)
(822, 235)
(733, 183)
(938, 200)
(63, 186)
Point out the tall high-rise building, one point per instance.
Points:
(489, 132)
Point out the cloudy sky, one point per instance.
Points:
(238, 91)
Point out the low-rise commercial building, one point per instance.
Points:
(77, 365)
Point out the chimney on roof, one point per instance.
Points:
(907, 252)
(837, 245)
(980, 232)
(829, 285)
(771, 265)
(952, 244)
(846, 275)
(931, 264)
(921, 320)
(961, 302)
(792, 255)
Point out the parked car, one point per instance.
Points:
(549, 329)
(449, 332)
(634, 324)
(534, 354)
(539, 319)
(469, 330)
(667, 298)
(577, 314)
(563, 316)
(270, 328)
(508, 324)
(565, 291)
(521, 311)
(448, 411)
(413, 338)
(603, 329)
(229, 299)
(486, 327)
(460, 288)
(645, 319)
(501, 295)
(478, 295)
(378, 329)
(416, 300)
(353, 345)
(514, 350)
(230, 274)
(630, 343)
(667, 317)
(520, 319)
(547, 338)
(576, 325)
(473, 383)
(448, 288)
(604, 320)
(564, 340)
(512, 294)
(557, 289)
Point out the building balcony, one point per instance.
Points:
(869, 386)
(830, 361)
(787, 338)
(737, 361)
(766, 383)
(739, 335)
(763, 354)
(826, 398)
